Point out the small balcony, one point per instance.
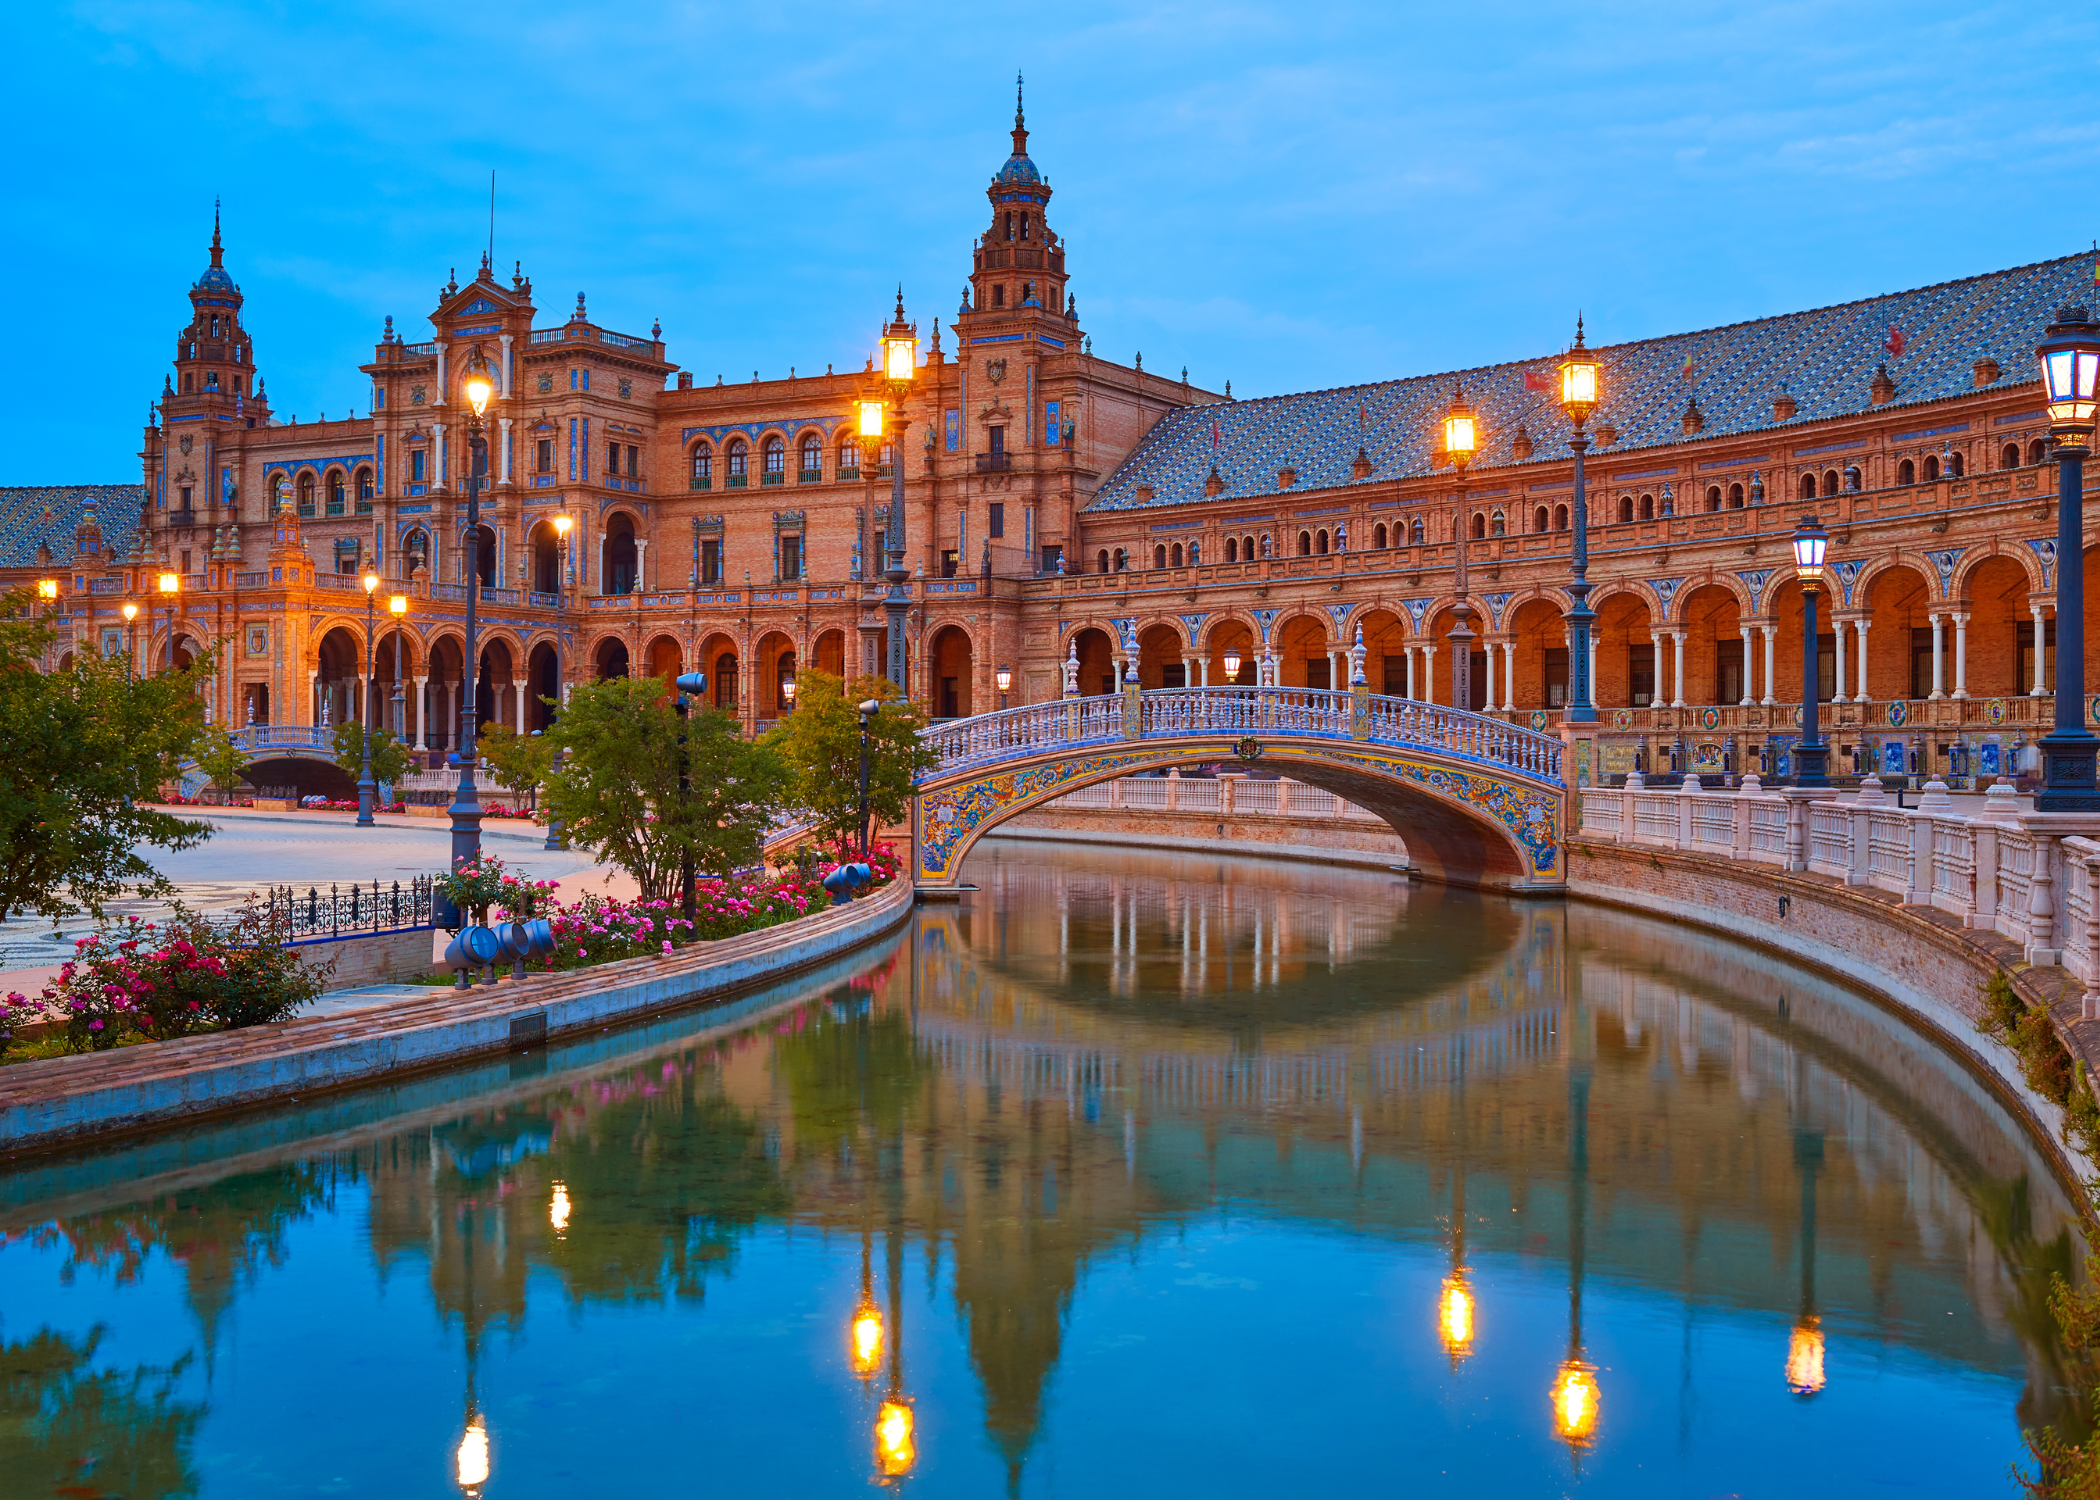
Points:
(994, 463)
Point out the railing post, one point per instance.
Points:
(1748, 788)
(1859, 869)
(2041, 904)
(1997, 813)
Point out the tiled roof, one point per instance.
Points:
(48, 514)
(1824, 359)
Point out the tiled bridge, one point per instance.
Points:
(1477, 800)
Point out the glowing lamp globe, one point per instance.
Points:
(1811, 542)
(2070, 356)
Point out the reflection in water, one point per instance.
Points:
(1129, 1173)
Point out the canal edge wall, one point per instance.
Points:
(1918, 961)
(60, 1101)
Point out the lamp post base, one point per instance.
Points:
(2068, 783)
(367, 796)
(1812, 766)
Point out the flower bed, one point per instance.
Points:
(148, 981)
(601, 929)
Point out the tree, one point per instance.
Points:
(81, 752)
(616, 791)
(520, 761)
(821, 740)
(220, 757)
(390, 758)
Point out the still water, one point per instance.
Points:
(1135, 1175)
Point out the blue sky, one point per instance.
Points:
(1284, 196)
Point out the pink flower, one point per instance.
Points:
(667, 945)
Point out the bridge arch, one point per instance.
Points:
(1476, 801)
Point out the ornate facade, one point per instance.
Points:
(1062, 509)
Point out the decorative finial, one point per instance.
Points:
(388, 336)
(900, 302)
(217, 252)
(579, 307)
(1019, 119)
(1578, 330)
(656, 330)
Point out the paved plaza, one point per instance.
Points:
(250, 851)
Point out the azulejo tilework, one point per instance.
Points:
(950, 819)
(1531, 814)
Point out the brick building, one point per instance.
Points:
(1061, 508)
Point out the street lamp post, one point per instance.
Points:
(1005, 678)
(562, 523)
(1578, 398)
(1460, 439)
(690, 685)
(2070, 356)
(899, 364)
(1811, 755)
(868, 709)
(367, 790)
(170, 586)
(397, 606)
(130, 612)
(479, 385)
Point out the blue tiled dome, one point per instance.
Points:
(214, 279)
(1018, 171)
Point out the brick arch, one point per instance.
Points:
(1984, 553)
(1171, 622)
(1916, 562)
(1207, 637)
(1733, 585)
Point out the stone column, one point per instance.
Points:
(1677, 668)
(503, 388)
(1837, 633)
(1938, 655)
(1509, 676)
(437, 462)
(503, 470)
(2041, 635)
(1861, 626)
(422, 713)
(1429, 673)
(1749, 694)
(517, 690)
(452, 715)
(1337, 674)
(313, 696)
(641, 565)
(1961, 656)
(1771, 636)
(1487, 699)
(1410, 684)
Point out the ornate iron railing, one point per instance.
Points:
(1294, 713)
(259, 737)
(349, 909)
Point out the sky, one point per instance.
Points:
(1284, 196)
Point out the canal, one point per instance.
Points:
(1134, 1174)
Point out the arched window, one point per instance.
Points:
(1538, 519)
(1268, 545)
(1560, 518)
(1232, 549)
(773, 460)
(2009, 456)
(1378, 537)
(1808, 487)
(1647, 507)
(306, 493)
(188, 383)
(1176, 559)
(739, 462)
(214, 325)
(1932, 467)
(849, 459)
(364, 489)
(1103, 568)
(1735, 497)
(703, 466)
(1195, 554)
(1851, 479)
(812, 458)
(1625, 508)
(1954, 465)
(1713, 497)
(1159, 557)
(2037, 450)
(1830, 481)
(1414, 532)
(1122, 560)
(1320, 541)
(1498, 524)
(1906, 472)
(1480, 525)
(415, 551)
(1305, 544)
(1247, 552)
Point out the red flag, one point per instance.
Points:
(1534, 381)
(1896, 341)
(1359, 415)
(1214, 433)
(1690, 367)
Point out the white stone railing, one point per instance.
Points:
(2026, 877)
(1297, 713)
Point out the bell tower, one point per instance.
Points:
(1019, 261)
(214, 359)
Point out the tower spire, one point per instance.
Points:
(217, 252)
(1020, 120)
